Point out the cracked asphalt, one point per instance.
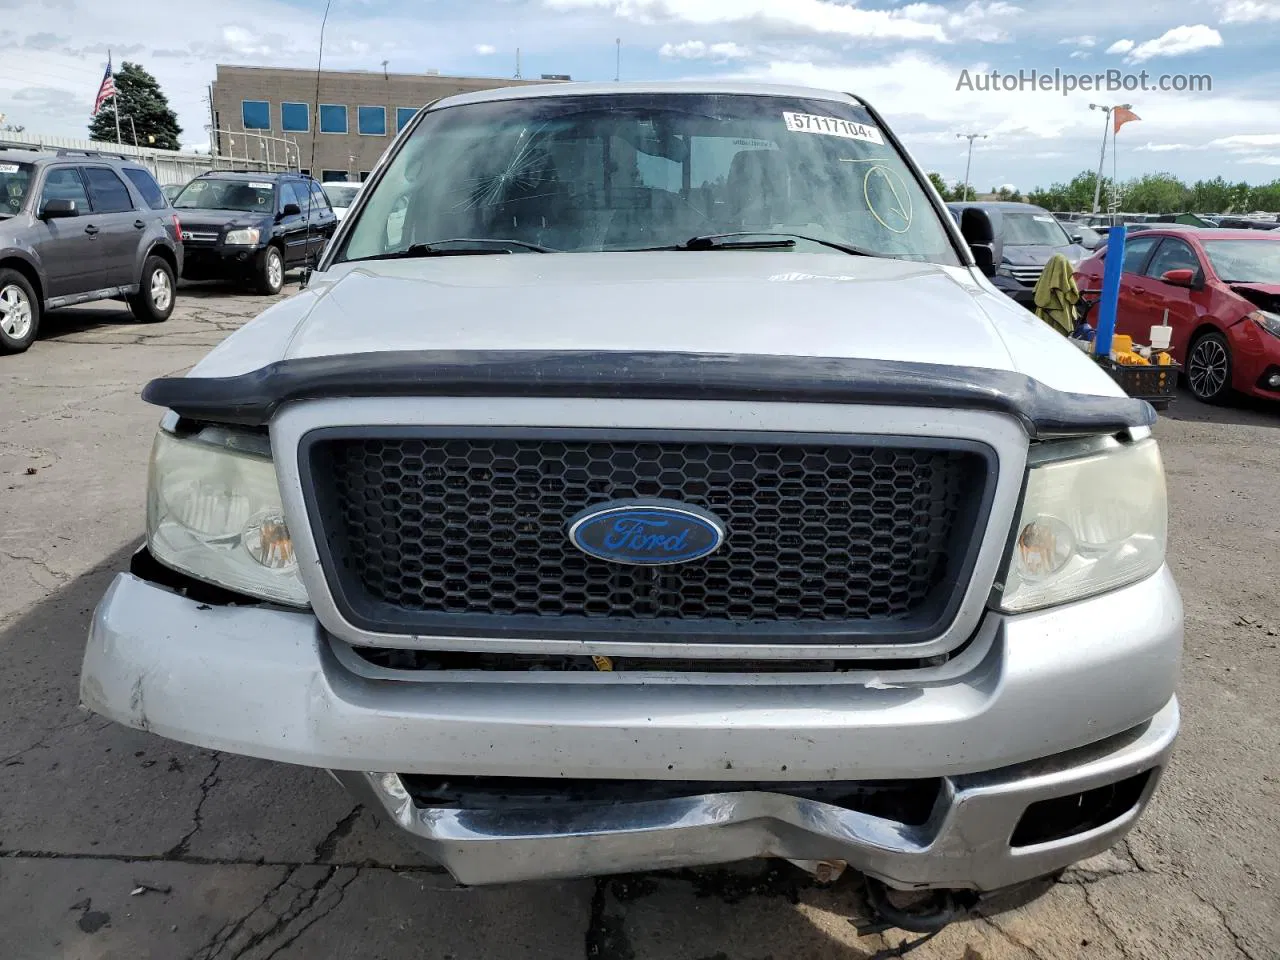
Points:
(118, 844)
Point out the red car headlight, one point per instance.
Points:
(1269, 322)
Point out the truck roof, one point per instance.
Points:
(602, 88)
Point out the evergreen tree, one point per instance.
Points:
(139, 97)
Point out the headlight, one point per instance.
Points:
(244, 237)
(1269, 322)
(214, 512)
(1087, 525)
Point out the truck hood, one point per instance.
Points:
(714, 302)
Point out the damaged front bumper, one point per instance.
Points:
(1041, 741)
(986, 831)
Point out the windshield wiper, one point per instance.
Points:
(713, 241)
(468, 247)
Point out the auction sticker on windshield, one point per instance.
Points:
(8, 168)
(832, 127)
(260, 186)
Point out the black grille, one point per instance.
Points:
(819, 533)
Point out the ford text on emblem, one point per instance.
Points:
(646, 532)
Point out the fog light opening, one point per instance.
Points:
(1048, 820)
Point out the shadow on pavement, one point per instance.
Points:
(1239, 410)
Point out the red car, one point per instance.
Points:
(1221, 289)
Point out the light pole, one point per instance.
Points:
(1102, 158)
(969, 163)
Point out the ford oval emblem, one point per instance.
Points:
(646, 533)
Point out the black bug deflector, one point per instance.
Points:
(252, 398)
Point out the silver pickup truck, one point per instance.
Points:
(649, 476)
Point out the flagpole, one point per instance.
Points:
(115, 101)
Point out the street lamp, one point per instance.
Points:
(1097, 184)
(969, 163)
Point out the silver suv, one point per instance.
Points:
(650, 476)
(78, 226)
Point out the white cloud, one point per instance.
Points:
(697, 50)
(1121, 46)
(1079, 55)
(1247, 141)
(816, 16)
(1271, 160)
(486, 49)
(1165, 147)
(1175, 42)
(983, 21)
(1084, 40)
(244, 42)
(1248, 11)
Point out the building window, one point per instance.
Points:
(333, 118)
(255, 114)
(295, 117)
(364, 175)
(403, 116)
(371, 121)
(333, 176)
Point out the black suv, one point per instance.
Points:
(78, 226)
(252, 227)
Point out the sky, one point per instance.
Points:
(909, 59)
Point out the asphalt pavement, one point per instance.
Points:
(119, 844)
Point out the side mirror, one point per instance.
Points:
(975, 227)
(1179, 278)
(1078, 239)
(291, 210)
(59, 209)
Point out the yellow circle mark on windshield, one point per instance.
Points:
(893, 199)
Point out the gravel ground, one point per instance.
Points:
(243, 859)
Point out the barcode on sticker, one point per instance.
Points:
(832, 127)
(8, 168)
(260, 186)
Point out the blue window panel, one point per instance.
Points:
(255, 114)
(403, 116)
(371, 121)
(333, 118)
(295, 117)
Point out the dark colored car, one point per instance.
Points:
(1026, 236)
(78, 226)
(1221, 289)
(252, 227)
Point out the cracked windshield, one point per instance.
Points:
(642, 172)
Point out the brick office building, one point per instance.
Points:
(359, 113)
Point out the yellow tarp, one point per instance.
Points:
(1057, 295)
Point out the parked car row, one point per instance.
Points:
(79, 226)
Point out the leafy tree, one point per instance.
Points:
(1155, 193)
(1210, 196)
(140, 98)
(1265, 196)
(940, 185)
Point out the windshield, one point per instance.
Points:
(341, 194)
(1245, 261)
(14, 180)
(638, 171)
(1032, 230)
(253, 196)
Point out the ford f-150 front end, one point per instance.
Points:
(647, 478)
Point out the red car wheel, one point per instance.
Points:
(1209, 368)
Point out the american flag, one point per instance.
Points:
(108, 89)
